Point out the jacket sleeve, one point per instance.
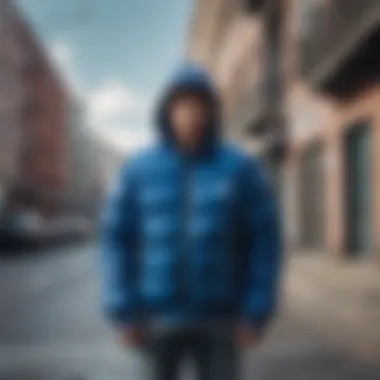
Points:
(264, 248)
(119, 251)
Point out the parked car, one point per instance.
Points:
(20, 228)
(28, 228)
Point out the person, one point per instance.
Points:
(191, 240)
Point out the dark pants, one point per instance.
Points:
(213, 354)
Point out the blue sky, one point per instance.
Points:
(115, 54)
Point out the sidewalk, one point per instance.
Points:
(340, 298)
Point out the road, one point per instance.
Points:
(51, 327)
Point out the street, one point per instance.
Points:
(51, 327)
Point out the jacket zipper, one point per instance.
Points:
(185, 217)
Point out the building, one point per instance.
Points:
(83, 180)
(34, 112)
(12, 96)
(43, 164)
(83, 176)
(92, 163)
(333, 98)
(301, 77)
(239, 42)
(50, 161)
(109, 159)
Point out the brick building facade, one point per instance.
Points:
(38, 117)
(304, 75)
(12, 93)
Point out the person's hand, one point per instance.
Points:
(132, 336)
(247, 337)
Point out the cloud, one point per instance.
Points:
(112, 101)
(120, 115)
(116, 113)
(127, 140)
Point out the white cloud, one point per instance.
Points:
(119, 115)
(127, 140)
(112, 109)
(111, 101)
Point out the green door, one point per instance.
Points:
(359, 230)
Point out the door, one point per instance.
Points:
(358, 197)
(312, 196)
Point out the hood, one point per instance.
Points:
(190, 77)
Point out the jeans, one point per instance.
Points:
(214, 355)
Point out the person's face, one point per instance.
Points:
(188, 117)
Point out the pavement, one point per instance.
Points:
(339, 297)
(51, 327)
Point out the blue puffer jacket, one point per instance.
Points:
(191, 239)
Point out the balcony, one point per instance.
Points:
(340, 52)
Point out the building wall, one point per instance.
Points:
(312, 118)
(229, 43)
(11, 95)
(45, 127)
(316, 118)
(36, 107)
(205, 31)
(110, 159)
(93, 163)
(81, 187)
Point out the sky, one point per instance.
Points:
(115, 56)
